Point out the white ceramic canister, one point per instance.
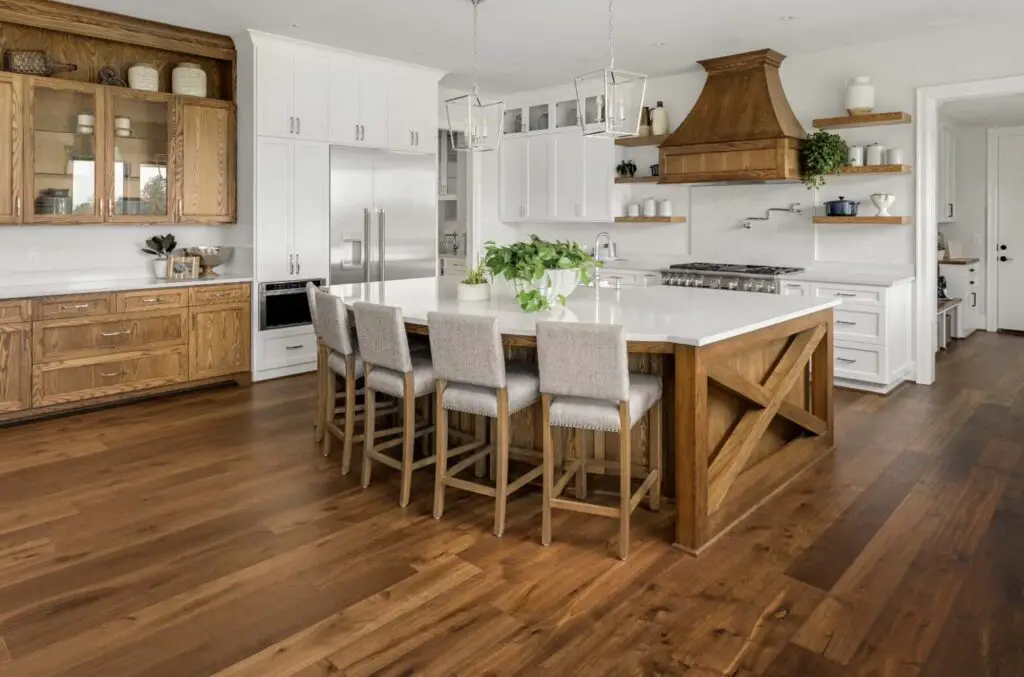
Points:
(633, 210)
(874, 155)
(665, 208)
(659, 120)
(860, 96)
(144, 76)
(855, 156)
(650, 207)
(894, 156)
(188, 79)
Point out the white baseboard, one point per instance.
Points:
(877, 388)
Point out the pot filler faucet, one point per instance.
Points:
(791, 209)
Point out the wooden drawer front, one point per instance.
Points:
(862, 362)
(57, 307)
(217, 295)
(67, 339)
(83, 379)
(15, 311)
(151, 299)
(865, 324)
(850, 293)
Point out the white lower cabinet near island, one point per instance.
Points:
(872, 331)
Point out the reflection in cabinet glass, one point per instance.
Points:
(539, 118)
(566, 113)
(514, 121)
(141, 149)
(64, 176)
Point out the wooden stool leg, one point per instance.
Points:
(480, 433)
(494, 455)
(441, 464)
(321, 393)
(369, 423)
(501, 459)
(408, 438)
(350, 413)
(656, 455)
(327, 394)
(549, 470)
(624, 479)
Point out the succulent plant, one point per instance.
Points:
(160, 246)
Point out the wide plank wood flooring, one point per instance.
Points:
(204, 534)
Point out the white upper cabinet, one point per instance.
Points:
(946, 193)
(292, 88)
(345, 100)
(513, 173)
(598, 162)
(311, 97)
(311, 204)
(568, 202)
(539, 182)
(373, 104)
(412, 112)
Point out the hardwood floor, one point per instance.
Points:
(204, 534)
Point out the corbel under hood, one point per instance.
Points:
(741, 128)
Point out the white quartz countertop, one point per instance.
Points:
(879, 275)
(60, 288)
(694, 317)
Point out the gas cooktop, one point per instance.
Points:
(735, 269)
(730, 276)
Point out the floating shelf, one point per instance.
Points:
(650, 219)
(868, 170)
(962, 261)
(641, 140)
(637, 179)
(866, 220)
(869, 120)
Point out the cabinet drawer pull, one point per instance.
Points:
(846, 323)
(295, 347)
(76, 306)
(843, 293)
(150, 300)
(793, 286)
(845, 360)
(116, 333)
(112, 374)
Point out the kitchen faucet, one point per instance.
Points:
(794, 208)
(609, 246)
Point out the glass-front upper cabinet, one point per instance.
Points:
(139, 151)
(65, 142)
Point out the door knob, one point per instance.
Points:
(1005, 258)
(1002, 247)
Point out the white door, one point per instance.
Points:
(274, 260)
(312, 94)
(275, 87)
(513, 179)
(344, 100)
(1010, 239)
(598, 156)
(311, 217)
(569, 169)
(539, 178)
(373, 105)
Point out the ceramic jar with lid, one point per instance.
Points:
(188, 79)
(860, 96)
(659, 120)
(145, 77)
(874, 155)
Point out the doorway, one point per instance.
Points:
(1006, 202)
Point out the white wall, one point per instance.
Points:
(814, 84)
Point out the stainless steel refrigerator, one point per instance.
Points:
(383, 215)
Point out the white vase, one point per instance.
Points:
(188, 79)
(474, 292)
(553, 284)
(659, 120)
(860, 96)
(882, 203)
(160, 269)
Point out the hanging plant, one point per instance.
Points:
(822, 153)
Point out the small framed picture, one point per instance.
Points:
(182, 267)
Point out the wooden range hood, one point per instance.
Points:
(741, 128)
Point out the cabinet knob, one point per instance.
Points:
(1005, 258)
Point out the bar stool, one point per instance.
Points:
(390, 368)
(473, 378)
(321, 367)
(585, 383)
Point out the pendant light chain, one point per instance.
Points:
(611, 35)
(476, 50)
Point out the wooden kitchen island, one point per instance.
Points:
(748, 384)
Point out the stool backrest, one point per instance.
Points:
(382, 339)
(311, 291)
(332, 322)
(467, 349)
(583, 360)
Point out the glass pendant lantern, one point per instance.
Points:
(609, 101)
(480, 122)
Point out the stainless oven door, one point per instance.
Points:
(284, 304)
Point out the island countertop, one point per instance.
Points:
(692, 317)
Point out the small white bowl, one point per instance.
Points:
(123, 133)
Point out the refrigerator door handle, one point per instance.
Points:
(366, 244)
(382, 225)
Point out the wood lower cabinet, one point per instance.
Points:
(220, 342)
(90, 337)
(89, 378)
(15, 367)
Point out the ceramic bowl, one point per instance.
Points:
(210, 257)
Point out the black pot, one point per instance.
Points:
(841, 207)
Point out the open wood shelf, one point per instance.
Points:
(866, 220)
(869, 120)
(650, 219)
(637, 179)
(868, 170)
(641, 140)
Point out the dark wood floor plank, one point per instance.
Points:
(796, 661)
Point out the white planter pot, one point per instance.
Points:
(474, 292)
(860, 96)
(552, 284)
(160, 269)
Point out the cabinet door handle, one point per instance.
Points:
(847, 294)
(357, 132)
(115, 333)
(76, 306)
(845, 360)
(294, 347)
(793, 286)
(846, 323)
(298, 265)
(362, 132)
(17, 206)
(298, 125)
(291, 125)
(112, 374)
(181, 208)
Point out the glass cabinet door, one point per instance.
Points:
(138, 179)
(66, 130)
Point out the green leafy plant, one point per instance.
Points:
(476, 275)
(160, 246)
(822, 153)
(525, 263)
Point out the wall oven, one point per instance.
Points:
(284, 304)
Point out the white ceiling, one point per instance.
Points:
(527, 44)
(999, 111)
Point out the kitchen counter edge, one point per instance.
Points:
(29, 291)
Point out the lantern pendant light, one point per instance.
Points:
(479, 124)
(609, 101)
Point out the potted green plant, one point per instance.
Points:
(475, 286)
(539, 272)
(822, 153)
(161, 247)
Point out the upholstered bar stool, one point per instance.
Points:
(393, 370)
(321, 366)
(473, 378)
(585, 383)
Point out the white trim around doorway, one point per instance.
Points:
(926, 230)
(992, 224)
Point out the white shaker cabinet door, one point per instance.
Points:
(312, 94)
(274, 158)
(512, 182)
(311, 176)
(569, 179)
(275, 87)
(539, 179)
(344, 100)
(374, 96)
(597, 168)
(422, 107)
(401, 98)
